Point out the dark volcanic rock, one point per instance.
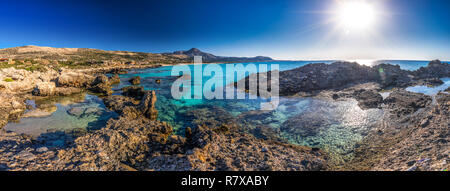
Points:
(135, 80)
(311, 78)
(419, 141)
(392, 75)
(322, 76)
(435, 69)
(402, 102)
(368, 99)
(136, 92)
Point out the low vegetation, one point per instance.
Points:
(8, 80)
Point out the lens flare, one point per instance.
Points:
(356, 15)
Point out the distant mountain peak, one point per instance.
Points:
(194, 50)
(208, 57)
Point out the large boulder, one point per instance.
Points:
(101, 85)
(131, 107)
(73, 79)
(147, 105)
(44, 89)
(50, 89)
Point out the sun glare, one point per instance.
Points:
(356, 15)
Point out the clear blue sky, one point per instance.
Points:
(404, 29)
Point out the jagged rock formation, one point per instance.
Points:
(415, 135)
(313, 78)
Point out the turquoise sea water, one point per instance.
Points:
(334, 126)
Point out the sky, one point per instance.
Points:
(289, 29)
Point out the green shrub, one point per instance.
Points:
(8, 80)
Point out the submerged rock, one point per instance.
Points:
(135, 80)
(114, 79)
(136, 92)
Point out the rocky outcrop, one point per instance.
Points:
(122, 143)
(135, 80)
(414, 135)
(313, 78)
(50, 89)
(115, 79)
(393, 75)
(99, 84)
(136, 92)
(11, 108)
(402, 102)
(73, 79)
(366, 94)
(23, 81)
(134, 107)
(19, 153)
(435, 69)
(227, 149)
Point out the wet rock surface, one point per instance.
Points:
(142, 143)
(11, 108)
(132, 107)
(418, 141)
(135, 80)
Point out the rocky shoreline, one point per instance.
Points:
(414, 131)
(413, 134)
(135, 140)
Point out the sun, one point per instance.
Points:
(356, 15)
